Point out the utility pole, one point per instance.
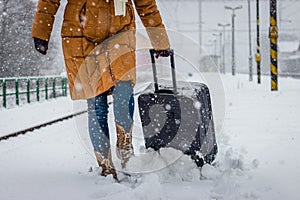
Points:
(214, 42)
(273, 34)
(233, 41)
(200, 26)
(220, 45)
(250, 43)
(214, 50)
(223, 68)
(258, 57)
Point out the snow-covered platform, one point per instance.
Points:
(257, 158)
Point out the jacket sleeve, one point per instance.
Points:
(151, 19)
(44, 19)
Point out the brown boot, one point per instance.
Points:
(124, 144)
(106, 164)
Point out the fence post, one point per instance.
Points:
(38, 89)
(46, 88)
(28, 90)
(64, 86)
(53, 87)
(17, 91)
(4, 93)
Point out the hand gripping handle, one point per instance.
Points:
(172, 60)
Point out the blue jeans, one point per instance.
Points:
(123, 106)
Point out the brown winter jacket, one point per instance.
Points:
(99, 47)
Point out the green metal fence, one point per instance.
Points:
(32, 88)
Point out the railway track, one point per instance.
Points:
(15, 134)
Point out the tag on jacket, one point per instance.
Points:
(120, 7)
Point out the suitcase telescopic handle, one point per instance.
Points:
(172, 61)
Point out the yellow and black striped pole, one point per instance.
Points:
(273, 34)
(257, 57)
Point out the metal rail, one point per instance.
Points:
(40, 126)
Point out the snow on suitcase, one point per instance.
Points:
(178, 115)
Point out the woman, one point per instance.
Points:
(98, 40)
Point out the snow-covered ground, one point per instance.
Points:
(257, 157)
(30, 115)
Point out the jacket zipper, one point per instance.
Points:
(109, 66)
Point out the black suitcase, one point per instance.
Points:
(178, 115)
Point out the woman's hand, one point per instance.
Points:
(41, 45)
(162, 53)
